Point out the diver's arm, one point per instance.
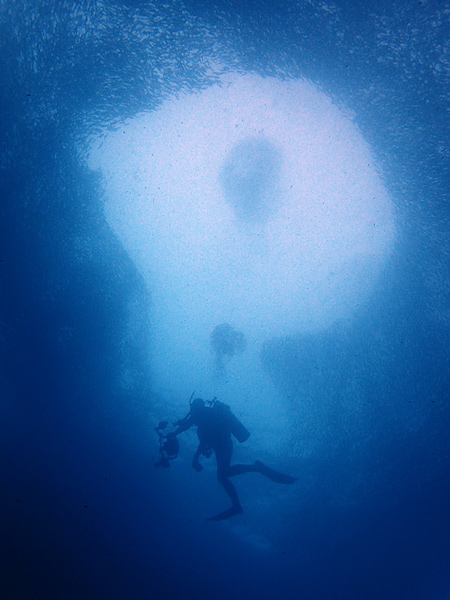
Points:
(182, 425)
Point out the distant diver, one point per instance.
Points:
(226, 342)
(215, 424)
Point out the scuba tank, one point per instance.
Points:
(238, 430)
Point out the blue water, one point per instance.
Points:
(84, 512)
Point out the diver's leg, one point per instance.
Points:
(195, 463)
(240, 469)
(231, 491)
(259, 467)
(223, 457)
(228, 470)
(272, 474)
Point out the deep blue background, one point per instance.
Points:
(84, 514)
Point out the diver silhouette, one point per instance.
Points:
(215, 425)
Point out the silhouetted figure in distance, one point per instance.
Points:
(226, 342)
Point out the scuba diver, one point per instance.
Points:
(215, 424)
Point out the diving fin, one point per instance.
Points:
(274, 475)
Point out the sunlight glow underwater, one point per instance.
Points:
(256, 203)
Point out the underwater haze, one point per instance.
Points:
(249, 201)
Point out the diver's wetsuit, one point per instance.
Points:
(214, 433)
